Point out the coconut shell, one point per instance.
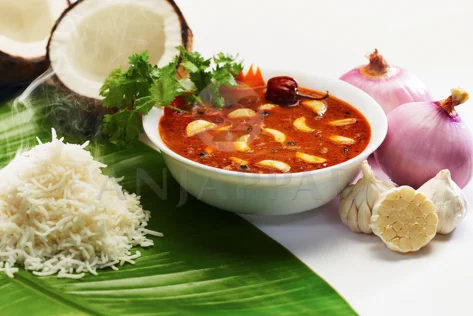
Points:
(186, 35)
(16, 70)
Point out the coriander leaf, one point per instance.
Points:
(187, 85)
(154, 73)
(215, 98)
(122, 88)
(222, 76)
(109, 89)
(207, 80)
(137, 58)
(229, 63)
(199, 63)
(170, 70)
(124, 92)
(201, 79)
(189, 66)
(122, 127)
(144, 105)
(222, 58)
(139, 67)
(197, 67)
(165, 90)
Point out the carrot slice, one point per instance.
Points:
(253, 78)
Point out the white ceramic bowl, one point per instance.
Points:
(274, 194)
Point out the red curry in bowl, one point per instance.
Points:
(253, 134)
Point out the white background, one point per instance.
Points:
(432, 39)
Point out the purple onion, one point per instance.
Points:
(390, 86)
(423, 139)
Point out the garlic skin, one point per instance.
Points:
(450, 202)
(358, 200)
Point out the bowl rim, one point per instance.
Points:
(151, 121)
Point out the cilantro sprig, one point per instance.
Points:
(143, 86)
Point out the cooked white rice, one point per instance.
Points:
(59, 215)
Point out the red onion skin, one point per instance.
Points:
(391, 90)
(422, 140)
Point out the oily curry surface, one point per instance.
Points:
(258, 137)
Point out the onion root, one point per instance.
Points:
(458, 96)
(377, 67)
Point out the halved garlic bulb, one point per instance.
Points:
(358, 200)
(404, 219)
(450, 202)
(198, 126)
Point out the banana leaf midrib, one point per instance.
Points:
(47, 292)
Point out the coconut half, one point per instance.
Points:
(25, 26)
(95, 36)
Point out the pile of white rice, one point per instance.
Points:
(60, 215)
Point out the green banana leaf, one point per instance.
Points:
(209, 262)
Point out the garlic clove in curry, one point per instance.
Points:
(358, 200)
(267, 107)
(198, 126)
(241, 144)
(278, 136)
(301, 125)
(310, 158)
(450, 202)
(242, 113)
(343, 122)
(341, 140)
(274, 164)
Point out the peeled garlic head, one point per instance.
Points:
(450, 202)
(404, 219)
(357, 200)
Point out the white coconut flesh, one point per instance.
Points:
(25, 26)
(96, 36)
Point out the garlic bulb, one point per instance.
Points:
(404, 219)
(449, 200)
(357, 200)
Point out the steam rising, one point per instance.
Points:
(70, 114)
(45, 105)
